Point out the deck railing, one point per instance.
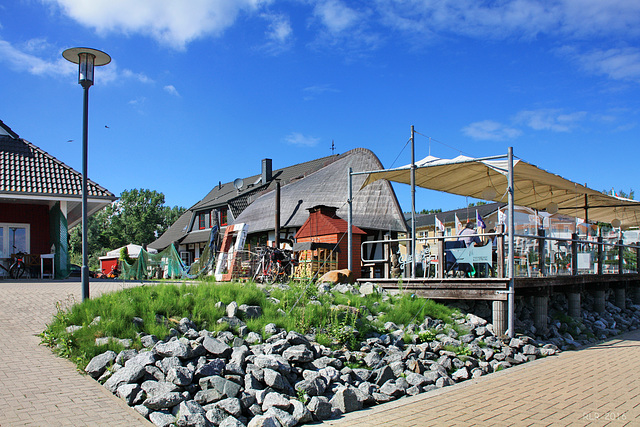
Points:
(534, 256)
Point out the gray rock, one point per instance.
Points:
(232, 309)
(210, 395)
(346, 400)
(264, 421)
(529, 349)
(130, 393)
(162, 418)
(186, 324)
(383, 375)
(270, 329)
(215, 415)
(73, 328)
(298, 353)
(369, 288)
(191, 414)
(174, 348)
(313, 387)
(392, 389)
(460, 375)
(157, 388)
(148, 341)
(250, 311)
(163, 401)
(222, 385)
(230, 405)
(216, 347)
(253, 338)
(320, 407)
(180, 376)
(382, 398)
(231, 422)
(276, 400)
(99, 363)
(274, 379)
(209, 369)
(127, 374)
(300, 412)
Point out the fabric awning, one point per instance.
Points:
(534, 187)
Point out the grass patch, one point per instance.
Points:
(337, 320)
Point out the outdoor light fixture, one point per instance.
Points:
(552, 208)
(86, 58)
(488, 193)
(615, 223)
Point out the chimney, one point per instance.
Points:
(266, 171)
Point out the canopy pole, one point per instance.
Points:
(413, 205)
(511, 259)
(350, 224)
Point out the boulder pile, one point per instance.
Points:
(199, 378)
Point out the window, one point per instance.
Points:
(223, 216)
(201, 223)
(14, 238)
(185, 257)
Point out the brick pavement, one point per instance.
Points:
(598, 385)
(36, 387)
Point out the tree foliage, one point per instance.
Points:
(139, 216)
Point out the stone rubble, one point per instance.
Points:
(198, 378)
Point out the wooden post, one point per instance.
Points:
(441, 260)
(638, 257)
(387, 256)
(541, 259)
(574, 254)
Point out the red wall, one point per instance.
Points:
(344, 250)
(35, 215)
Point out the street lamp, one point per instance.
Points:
(86, 58)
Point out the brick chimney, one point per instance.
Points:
(266, 171)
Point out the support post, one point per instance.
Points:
(387, 256)
(84, 272)
(620, 298)
(599, 301)
(499, 314)
(500, 252)
(413, 205)
(638, 257)
(511, 230)
(277, 219)
(540, 309)
(350, 223)
(574, 304)
(440, 248)
(620, 257)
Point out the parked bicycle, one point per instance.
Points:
(18, 267)
(275, 266)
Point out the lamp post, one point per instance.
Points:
(86, 58)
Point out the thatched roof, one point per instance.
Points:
(375, 206)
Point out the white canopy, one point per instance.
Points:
(134, 251)
(534, 187)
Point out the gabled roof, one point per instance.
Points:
(176, 232)
(226, 193)
(323, 225)
(26, 169)
(375, 207)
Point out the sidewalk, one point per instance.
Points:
(597, 386)
(36, 387)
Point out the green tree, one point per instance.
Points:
(138, 217)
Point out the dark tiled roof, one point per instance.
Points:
(176, 232)
(26, 169)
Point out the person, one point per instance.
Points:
(467, 235)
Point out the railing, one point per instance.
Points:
(534, 256)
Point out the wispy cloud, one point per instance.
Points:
(171, 90)
(312, 92)
(550, 119)
(490, 130)
(279, 33)
(617, 63)
(296, 138)
(34, 57)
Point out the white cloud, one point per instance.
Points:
(490, 130)
(618, 64)
(312, 92)
(550, 119)
(171, 90)
(296, 138)
(336, 16)
(171, 22)
(279, 33)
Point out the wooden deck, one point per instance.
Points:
(495, 289)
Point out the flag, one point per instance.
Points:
(439, 225)
(458, 224)
(479, 221)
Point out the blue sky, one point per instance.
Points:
(201, 93)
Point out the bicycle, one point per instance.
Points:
(275, 266)
(18, 268)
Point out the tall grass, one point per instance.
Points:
(336, 319)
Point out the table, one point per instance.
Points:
(52, 275)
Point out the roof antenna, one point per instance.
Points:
(333, 147)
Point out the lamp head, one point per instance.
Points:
(87, 59)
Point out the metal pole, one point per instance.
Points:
(277, 220)
(511, 260)
(413, 205)
(85, 246)
(350, 224)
